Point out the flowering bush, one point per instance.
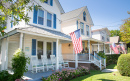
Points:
(67, 74)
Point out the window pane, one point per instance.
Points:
(82, 28)
(49, 23)
(49, 16)
(39, 49)
(49, 19)
(48, 49)
(40, 20)
(41, 13)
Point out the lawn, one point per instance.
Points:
(112, 66)
(99, 76)
(96, 75)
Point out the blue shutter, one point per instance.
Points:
(12, 22)
(51, 2)
(54, 21)
(35, 16)
(33, 46)
(54, 48)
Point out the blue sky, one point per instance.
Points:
(104, 13)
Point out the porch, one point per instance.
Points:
(34, 41)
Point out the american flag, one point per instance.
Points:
(114, 48)
(77, 41)
(122, 47)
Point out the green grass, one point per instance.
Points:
(112, 66)
(99, 76)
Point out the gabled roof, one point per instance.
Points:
(75, 14)
(72, 14)
(60, 7)
(106, 29)
(114, 39)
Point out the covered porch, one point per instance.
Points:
(34, 41)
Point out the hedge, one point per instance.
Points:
(112, 59)
(123, 64)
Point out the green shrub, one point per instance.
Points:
(5, 76)
(123, 64)
(112, 59)
(19, 62)
(128, 50)
(101, 54)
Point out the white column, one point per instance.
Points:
(45, 50)
(89, 48)
(76, 60)
(98, 47)
(6, 57)
(57, 55)
(104, 48)
(21, 41)
(110, 48)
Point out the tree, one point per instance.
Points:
(125, 31)
(115, 33)
(16, 10)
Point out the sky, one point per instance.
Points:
(104, 13)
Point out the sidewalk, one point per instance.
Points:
(109, 70)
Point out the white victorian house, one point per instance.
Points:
(41, 36)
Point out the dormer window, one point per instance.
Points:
(84, 16)
(49, 2)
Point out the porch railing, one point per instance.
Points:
(71, 57)
(102, 60)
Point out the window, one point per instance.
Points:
(102, 38)
(49, 49)
(82, 28)
(107, 39)
(40, 17)
(87, 30)
(49, 2)
(84, 16)
(83, 43)
(39, 49)
(49, 19)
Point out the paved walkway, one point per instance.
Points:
(109, 70)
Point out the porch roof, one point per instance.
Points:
(92, 39)
(35, 30)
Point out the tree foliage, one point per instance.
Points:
(15, 9)
(115, 33)
(125, 31)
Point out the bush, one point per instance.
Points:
(128, 50)
(67, 74)
(123, 64)
(101, 54)
(19, 62)
(5, 76)
(112, 59)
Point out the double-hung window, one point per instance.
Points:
(84, 16)
(49, 19)
(82, 28)
(49, 2)
(40, 17)
(87, 30)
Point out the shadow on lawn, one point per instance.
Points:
(92, 73)
(106, 80)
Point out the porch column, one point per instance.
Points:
(21, 41)
(6, 56)
(57, 55)
(104, 48)
(98, 47)
(89, 48)
(76, 59)
(45, 50)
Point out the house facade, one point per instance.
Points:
(41, 36)
(74, 20)
(102, 34)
